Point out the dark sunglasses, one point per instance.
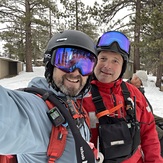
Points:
(70, 58)
(110, 37)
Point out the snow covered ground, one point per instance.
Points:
(152, 92)
(154, 96)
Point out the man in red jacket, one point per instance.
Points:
(121, 144)
(139, 80)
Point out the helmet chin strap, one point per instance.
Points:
(55, 86)
(124, 66)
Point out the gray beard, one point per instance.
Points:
(69, 91)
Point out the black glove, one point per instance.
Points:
(160, 124)
(161, 144)
(141, 89)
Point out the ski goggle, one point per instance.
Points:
(68, 59)
(110, 37)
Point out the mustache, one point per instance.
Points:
(71, 76)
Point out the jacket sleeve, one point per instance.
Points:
(149, 137)
(23, 123)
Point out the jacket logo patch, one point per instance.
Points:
(119, 142)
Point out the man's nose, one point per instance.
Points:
(108, 65)
(76, 72)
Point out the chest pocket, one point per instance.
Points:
(118, 137)
(115, 140)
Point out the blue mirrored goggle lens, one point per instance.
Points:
(114, 36)
(69, 59)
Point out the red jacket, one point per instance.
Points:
(111, 93)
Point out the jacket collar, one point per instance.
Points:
(105, 86)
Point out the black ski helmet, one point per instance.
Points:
(67, 38)
(114, 47)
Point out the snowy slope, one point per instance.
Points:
(152, 92)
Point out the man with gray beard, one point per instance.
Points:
(25, 128)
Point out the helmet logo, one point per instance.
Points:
(48, 56)
(61, 39)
